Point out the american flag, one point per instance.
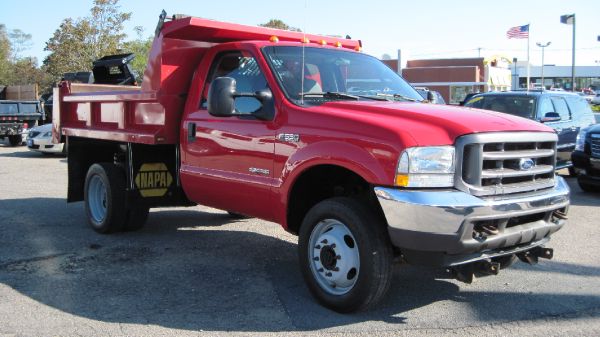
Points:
(518, 32)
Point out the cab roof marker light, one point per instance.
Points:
(305, 40)
(323, 42)
(274, 39)
(358, 48)
(338, 44)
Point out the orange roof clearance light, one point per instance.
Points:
(274, 39)
(323, 43)
(358, 48)
(338, 44)
(305, 40)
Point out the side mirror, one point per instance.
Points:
(431, 97)
(222, 96)
(550, 117)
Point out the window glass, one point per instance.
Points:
(579, 107)
(247, 75)
(545, 106)
(314, 70)
(28, 108)
(522, 106)
(9, 108)
(560, 106)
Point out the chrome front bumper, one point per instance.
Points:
(445, 223)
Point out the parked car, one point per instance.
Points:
(467, 98)
(596, 99)
(586, 158)
(431, 95)
(566, 113)
(40, 139)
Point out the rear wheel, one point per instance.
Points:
(104, 196)
(586, 187)
(105, 187)
(345, 255)
(15, 140)
(136, 218)
(235, 215)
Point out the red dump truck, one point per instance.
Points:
(308, 132)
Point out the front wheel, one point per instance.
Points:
(586, 187)
(345, 255)
(15, 140)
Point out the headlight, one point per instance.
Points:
(47, 134)
(580, 142)
(431, 166)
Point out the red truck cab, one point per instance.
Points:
(308, 132)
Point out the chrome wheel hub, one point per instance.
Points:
(334, 257)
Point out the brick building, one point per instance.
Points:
(454, 78)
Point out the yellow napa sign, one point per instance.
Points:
(153, 180)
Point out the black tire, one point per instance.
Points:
(15, 140)
(111, 179)
(586, 187)
(572, 171)
(136, 218)
(368, 235)
(235, 215)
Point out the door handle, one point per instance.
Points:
(191, 132)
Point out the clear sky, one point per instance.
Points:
(422, 29)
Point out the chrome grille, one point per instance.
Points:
(595, 145)
(505, 163)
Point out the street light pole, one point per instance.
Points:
(569, 19)
(543, 45)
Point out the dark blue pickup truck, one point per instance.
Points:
(566, 113)
(15, 116)
(586, 159)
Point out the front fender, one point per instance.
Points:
(376, 166)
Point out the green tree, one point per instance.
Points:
(141, 48)
(20, 41)
(5, 50)
(77, 43)
(278, 24)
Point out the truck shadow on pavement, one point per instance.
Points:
(197, 270)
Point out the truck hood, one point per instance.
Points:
(430, 124)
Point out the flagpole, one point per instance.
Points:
(528, 33)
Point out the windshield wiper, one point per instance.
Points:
(397, 97)
(329, 94)
(374, 97)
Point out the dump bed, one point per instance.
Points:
(151, 114)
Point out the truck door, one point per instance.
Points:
(566, 136)
(227, 162)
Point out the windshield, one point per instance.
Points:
(28, 108)
(522, 106)
(9, 108)
(347, 74)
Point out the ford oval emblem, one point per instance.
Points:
(525, 164)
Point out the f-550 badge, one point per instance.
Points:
(289, 137)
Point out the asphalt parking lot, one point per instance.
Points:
(195, 271)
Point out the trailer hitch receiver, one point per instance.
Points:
(533, 255)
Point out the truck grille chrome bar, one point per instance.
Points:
(491, 164)
(595, 145)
